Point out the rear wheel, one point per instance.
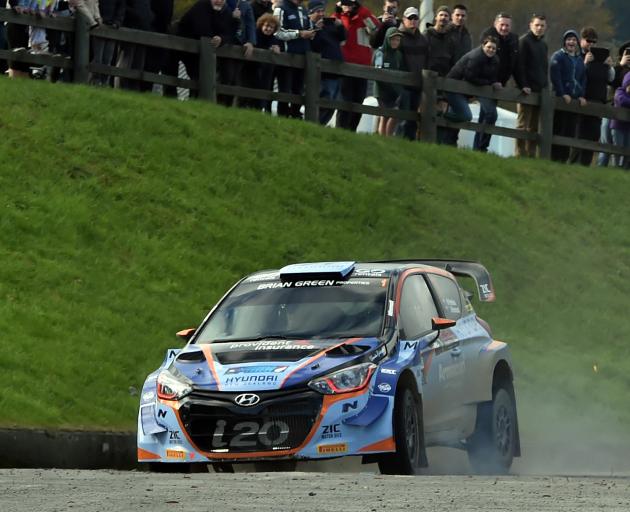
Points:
(408, 433)
(491, 447)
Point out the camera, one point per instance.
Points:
(391, 10)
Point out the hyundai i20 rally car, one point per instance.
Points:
(321, 360)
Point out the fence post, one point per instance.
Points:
(81, 59)
(312, 86)
(207, 71)
(545, 124)
(428, 128)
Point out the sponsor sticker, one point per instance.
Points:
(175, 454)
(332, 448)
(388, 371)
(384, 387)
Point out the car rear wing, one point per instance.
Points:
(473, 269)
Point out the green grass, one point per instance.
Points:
(125, 217)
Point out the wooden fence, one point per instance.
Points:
(207, 87)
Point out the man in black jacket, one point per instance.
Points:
(599, 73)
(441, 43)
(507, 52)
(213, 19)
(532, 76)
(327, 42)
(415, 49)
(388, 19)
(138, 15)
(112, 14)
(459, 32)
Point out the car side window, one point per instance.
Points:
(448, 294)
(416, 307)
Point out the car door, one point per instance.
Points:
(462, 343)
(417, 307)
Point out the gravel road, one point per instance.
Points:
(28, 490)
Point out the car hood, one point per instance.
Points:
(268, 364)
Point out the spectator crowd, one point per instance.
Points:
(579, 70)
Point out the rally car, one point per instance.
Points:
(321, 360)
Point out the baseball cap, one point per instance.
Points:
(411, 11)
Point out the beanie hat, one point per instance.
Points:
(316, 5)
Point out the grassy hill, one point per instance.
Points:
(125, 217)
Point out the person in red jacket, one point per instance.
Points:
(359, 23)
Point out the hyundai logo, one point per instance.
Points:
(247, 399)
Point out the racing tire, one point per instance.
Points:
(275, 466)
(409, 456)
(491, 447)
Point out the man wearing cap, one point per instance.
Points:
(359, 23)
(441, 45)
(568, 77)
(599, 73)
(327, 42)
(296, 33)
(415, 50)
(531, 76)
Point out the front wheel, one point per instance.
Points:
(408, 434)
(491, 447)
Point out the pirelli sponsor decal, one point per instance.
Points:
(175, 454)
(327, 449)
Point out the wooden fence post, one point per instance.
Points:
(545, 124)
(428, 128)
(207, 71)
(81, 59)
(312, 86)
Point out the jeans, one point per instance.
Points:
(605, 137)
(329, 89)
(621, 138)
(458, 109)
(487, 116)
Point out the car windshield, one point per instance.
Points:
(301, 309)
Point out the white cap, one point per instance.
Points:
(411, 11)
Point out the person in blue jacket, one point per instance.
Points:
(568, 78)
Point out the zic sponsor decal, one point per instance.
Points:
(256, 369)
(175, 454)
(249, 433)
(388, 371)
(332, 448)
(274, 345)
(331, 431)
(349, 405)
(384, 387)
(451, 371)
(366, 272)
(248, 379)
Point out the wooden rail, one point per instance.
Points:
(207, 87)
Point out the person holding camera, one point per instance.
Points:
(359, 23)
(599, 73)
(388, 19)
(621, 69)
(327, 42)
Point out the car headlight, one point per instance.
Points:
(172, 385)
(347, 380)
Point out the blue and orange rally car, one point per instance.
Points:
(321, 360)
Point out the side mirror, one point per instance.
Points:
(186, 334)
(438, 324)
